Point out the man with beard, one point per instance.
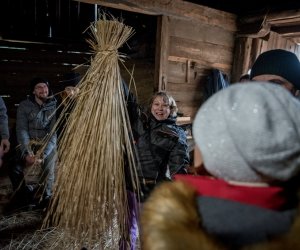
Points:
(34, 125)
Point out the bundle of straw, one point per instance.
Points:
(90, 198)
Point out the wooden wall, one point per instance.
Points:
(20, 62)
(194, 48)
(191, 40)
(53, 59)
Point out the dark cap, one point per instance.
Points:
(278, 62)
(35, 81)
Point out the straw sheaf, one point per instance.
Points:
(90, 197)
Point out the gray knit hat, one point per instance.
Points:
(250, 132)
(278, 62)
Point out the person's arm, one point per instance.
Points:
(4, 131)
(132, 105)
(53, 140)
(179, 156)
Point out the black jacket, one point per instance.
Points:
(161, 145)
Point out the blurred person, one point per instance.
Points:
(278, 66)
(244, 78)
(4, 130)
(249, 139)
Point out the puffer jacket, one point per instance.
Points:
(175, 217)
(161, 145)
(35, 122)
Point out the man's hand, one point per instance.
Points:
(30, 160)
(5, 144)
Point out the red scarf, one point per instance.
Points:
(267, 197)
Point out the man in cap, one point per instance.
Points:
(277, 66)
(37, 141)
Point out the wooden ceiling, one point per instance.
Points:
(31, 20)
(258, 17)
(252, 7)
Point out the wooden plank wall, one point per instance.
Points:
(20, 62)
(195, 47)
(191, 40)
(248, 49)
(142, 70)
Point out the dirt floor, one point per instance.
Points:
(22, 228)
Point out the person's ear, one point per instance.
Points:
(199, 167)
(198, 161)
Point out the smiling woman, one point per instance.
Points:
(161, 144)
(161, 106)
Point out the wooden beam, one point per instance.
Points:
(254, 30)
(44, 56)
(175, 8)
(187, 68)
(161, 55)
(260, 25)
(284, 15)
(271, 17)
(287, 30)
(201, 63)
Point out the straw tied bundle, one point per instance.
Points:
(90, 195)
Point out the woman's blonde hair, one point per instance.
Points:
(167, 99)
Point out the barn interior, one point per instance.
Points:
(175, 46)
(48, 38)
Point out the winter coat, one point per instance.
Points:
(35, 122)
(175, 217)
(4, 131)
(161, 145)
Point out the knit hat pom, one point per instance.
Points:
(250, 132)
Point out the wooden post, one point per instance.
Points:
(161, 55)
(188, 66)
